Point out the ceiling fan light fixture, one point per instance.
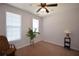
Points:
(43, 10)
(44, 7)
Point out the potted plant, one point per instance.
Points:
(32, 34)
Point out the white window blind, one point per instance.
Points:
(13, 26)
(36, 25)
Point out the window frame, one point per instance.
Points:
(38, 24)
(14, 26)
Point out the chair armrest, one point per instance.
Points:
(11, 45)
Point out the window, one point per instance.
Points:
(13, 26)
(36, 25)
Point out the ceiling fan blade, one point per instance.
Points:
(39, 9)
(50, 5)
(47, 10)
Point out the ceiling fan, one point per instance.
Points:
(44, 6)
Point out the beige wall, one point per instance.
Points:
(65, 17)
(26, 23)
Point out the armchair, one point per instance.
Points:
(5, 47)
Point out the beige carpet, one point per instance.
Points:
(45, 49)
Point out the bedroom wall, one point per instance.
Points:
(26, 23)
(65, 17)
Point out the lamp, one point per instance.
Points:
(67, 32)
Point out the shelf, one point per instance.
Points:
(67, 42)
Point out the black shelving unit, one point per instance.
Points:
(67, 42)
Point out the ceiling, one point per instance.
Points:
(32, 8)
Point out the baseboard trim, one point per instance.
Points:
(60, 44)
(23, 45)
(52, 42)
(75, 48)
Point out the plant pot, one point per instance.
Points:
(32, 42)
